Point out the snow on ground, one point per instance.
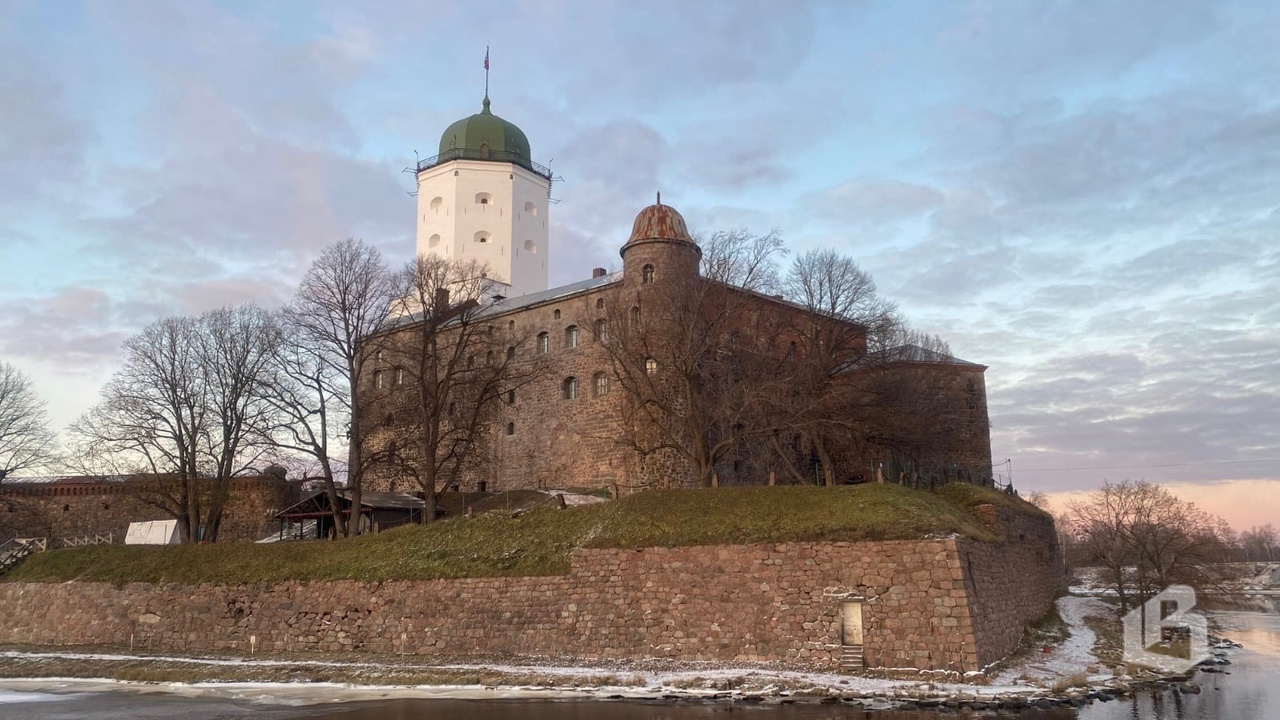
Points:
(572, 499)
(1072, 656)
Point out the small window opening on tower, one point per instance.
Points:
(556, 314)
(434, 241)
(436, 202)
(570, 388)
(531, 246)
(483, 198)
(650, 366)
(646, 274)
(531, 209)
(482, 237)
(511, 428)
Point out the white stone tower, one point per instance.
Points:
(484, 198)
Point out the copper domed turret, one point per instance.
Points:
(660, 244)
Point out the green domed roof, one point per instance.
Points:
(485, 136)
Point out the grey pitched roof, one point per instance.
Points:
(915, 353)
(556, 293)
(507, 305)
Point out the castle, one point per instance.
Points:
(602, 386)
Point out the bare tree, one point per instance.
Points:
(185, 410)
(1144, 538)
(690, 356)
(820, 406)
(25, 439)
(1260, 543)
(236, 347)
(333, 326)
(447, 367)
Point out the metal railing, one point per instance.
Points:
(486, 155)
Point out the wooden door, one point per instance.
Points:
(851, 622)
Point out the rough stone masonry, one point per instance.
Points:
(942, 604)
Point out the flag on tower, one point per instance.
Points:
(486, 58)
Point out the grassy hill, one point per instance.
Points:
(540, 541)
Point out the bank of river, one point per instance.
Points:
(1249, 689)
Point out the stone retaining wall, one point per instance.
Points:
(937, 604)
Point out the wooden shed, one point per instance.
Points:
(312, 517)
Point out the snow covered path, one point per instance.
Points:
(1072, 656)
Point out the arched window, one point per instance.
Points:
(571, 336)
(484, 150)
(791, 352)
(635, 315)
(471, 361)
(511, 326)
(483, 198)
(398, 378)
(600, 383)
(544, 343)
(646, 274)
(436, 202)
(650, 366)
(488, 358)
(511, 428)
(434, 241)
(511, 397)
(530, 208)
(531, 246)
(569, 389)
(556, 314)
(379, 379)
(511, 353)
(482, 237)
(602, 330)
(599, 303)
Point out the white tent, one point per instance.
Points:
(152, 532)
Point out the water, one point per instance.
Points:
(1250, 692)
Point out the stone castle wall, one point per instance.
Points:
(1008, 585)
(935, 604)
(75, 509)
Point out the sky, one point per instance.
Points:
(1083, 195)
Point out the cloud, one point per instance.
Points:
(1064, 40)
(873, 201)
(42, 142)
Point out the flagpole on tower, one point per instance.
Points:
(486, 71)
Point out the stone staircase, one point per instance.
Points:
(13, 551)
(851, 657)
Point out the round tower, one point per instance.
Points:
(660, 248)
(483, 198)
